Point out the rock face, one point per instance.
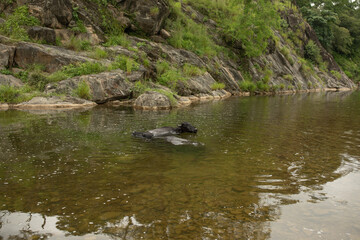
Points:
(150, 15)
(53, 58)
(152, 100)
(6, 56)
(10, 80)
(43, 34)
(106, 86)
(194, 85)
(58, 13)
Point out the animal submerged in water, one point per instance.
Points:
(168, 133)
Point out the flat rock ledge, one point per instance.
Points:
(153, 100)
(53, 102)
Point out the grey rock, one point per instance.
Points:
(104, 87)
(55, 102)
(10, 80)
(165, 34)
(152, 100)
(150, 15)
(6, 56)
(58, 13)
(53, 58)
(42, 33)
(194, 85)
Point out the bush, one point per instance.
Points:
(247, 86)
(312, 52)
(99, 53)
(191, 70)
(217, 86)
(125, 63)
(288, 77)
(8, 94)
(78, 44)
(117, 39)
(38, 80)
(83, 91)
(336, 74)
(13, 27)
(286, 52)
(79, 69)
(263, 87)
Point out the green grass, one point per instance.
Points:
(217, 86)
(188, 34)
(78, 44)
(336, 74)
(191, 70)
(288, 77)
(99, 53)
(78, 69)
(247, 86)
(125, 63)
(168, 75)
(83, 91)
(14, 24)
(118, 39)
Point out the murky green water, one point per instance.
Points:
(283, 167)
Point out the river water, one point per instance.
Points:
(268, 167)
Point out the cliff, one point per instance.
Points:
(156, 53)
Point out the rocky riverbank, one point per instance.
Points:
(71, 55)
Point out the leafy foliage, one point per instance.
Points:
(14, 24)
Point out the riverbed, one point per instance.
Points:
(266, 167)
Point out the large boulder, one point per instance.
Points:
(51, 57)
(43, 34)
(149, 15)
(195, 85)
(10, 80)
(104, 87)
(6, 56)
(58, 13)
(152, 100)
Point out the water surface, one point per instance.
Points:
(275, 167)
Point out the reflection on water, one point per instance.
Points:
(270, 167)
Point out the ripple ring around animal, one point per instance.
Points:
(168, 132)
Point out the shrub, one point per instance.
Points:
(117, 39)
(13, 27)
(267, 75)
(217, 86)
(288, 77)
(286, 52)
(5, 71)
(78, 69)
(263, 87)
(8, 94)
(162, 67)
(78, 44)
(38, 80)
(191, 70)
(154, 11)
(125, 63)
(99, 53)
(170, 78)
(83, 90)
(282, 86)
(336, 74)
(247, 86)
(140, 87)
(312, 52)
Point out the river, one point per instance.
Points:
(267, 167)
